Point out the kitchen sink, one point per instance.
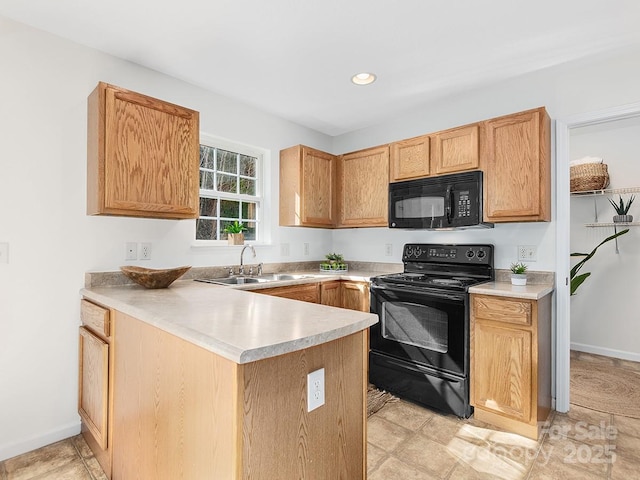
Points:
(242, 280)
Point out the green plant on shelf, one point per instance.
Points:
(235, 227)
(622, 208)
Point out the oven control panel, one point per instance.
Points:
(464, 254)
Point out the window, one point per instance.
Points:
(230, 189)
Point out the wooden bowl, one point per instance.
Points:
(153, 278)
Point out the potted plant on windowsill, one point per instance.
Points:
(622, 209)
(234, 231)
(518, 273)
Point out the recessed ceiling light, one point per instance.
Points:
(363, 78)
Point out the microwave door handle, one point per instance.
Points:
(449, 200)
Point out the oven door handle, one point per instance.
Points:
(425, 293)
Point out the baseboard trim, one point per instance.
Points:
(607, 352)
(11, 450)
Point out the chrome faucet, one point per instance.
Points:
(253, 250)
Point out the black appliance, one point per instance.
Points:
(420, 346)
(442, 202)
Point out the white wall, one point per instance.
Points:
(43, 91)
(604, 315)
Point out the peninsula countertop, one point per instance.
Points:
(236, 324)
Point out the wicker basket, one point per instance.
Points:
(589, 176)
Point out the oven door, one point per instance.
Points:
(422, 326)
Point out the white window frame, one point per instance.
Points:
(258, 199)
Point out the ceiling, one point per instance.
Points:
(295, 58)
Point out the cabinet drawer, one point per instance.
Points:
(95, 317)
(502, 309)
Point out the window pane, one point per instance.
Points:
(248, 211)
(227, 161)
(227, 183)
(206, 229)
(207, 157)
(206, 180)
(247, 166)
(248, 187)
(250, 233)
(229, 209)
(208, 207)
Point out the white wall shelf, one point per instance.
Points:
(612, 224)
(606, 191)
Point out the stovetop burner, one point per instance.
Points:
(445, 267)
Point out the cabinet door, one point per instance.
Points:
(143, 156)
(330, 294)
(409, 159)
(307, 292)
(363, 179)
(355, 296)
(93, 385)
(307, 187)
(456, 150)
(501, 370)
(517, 172)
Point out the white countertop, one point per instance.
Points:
(239, 325)
(505, 289)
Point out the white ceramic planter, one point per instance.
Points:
(518, 279)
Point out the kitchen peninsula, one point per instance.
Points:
(211, 382)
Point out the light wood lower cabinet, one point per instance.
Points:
(183, 412)
(307, 292)
(511, 362)
(95, 380)
(345, 294)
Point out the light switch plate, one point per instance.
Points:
(4, 252)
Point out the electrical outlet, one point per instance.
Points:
(145, 251)
(284, 249)
(131, 251)
(306, 249)
(388, 249)
(527, 253)
(4, 252)
(315, 389)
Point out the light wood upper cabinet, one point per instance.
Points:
(517, 176)
(456, 150)
(363, 188)
(143, 156)
(511, 362)
(307, 187)
(409, 159)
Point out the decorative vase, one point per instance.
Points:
(235, 238)
(518, 279)
(622, 218)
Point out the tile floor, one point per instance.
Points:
(408, 442)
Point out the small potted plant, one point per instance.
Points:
(622, 209)
(234, 231)
(335, 263)
(518, 273)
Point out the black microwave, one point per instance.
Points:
(442, 202)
